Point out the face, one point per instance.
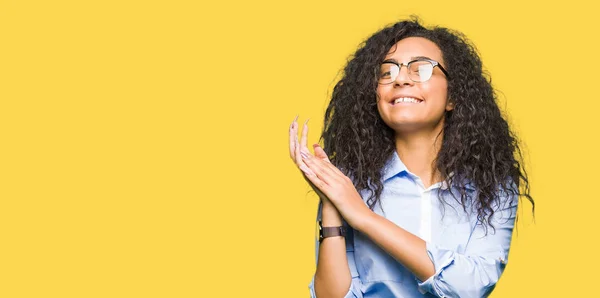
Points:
(408, 106)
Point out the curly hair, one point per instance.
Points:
(478, 147)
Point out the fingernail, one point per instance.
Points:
(306, 122)
(296, 119)
(303, 154)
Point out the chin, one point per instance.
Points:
(404, 125)
(401, 121)
(407, 127)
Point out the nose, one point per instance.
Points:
(403, 79)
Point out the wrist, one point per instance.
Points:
(363, 219)
(330, 216)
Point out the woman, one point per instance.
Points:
(420, 183)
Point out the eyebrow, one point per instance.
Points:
(411, 59)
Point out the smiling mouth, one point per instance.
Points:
(406, 100)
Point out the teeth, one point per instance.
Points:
(406, 99)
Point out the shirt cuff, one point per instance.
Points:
(441, 259)
(353, 292)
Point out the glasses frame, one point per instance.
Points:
(433, 62)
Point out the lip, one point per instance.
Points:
(404, 95)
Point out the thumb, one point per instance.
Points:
(320, 153)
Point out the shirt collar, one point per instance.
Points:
(395, 166)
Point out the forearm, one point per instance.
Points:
(405, 247)
(333, 277)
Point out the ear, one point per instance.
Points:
(449, 105)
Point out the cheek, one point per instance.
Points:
(380, 100)
(380, 108)
(379, 92)
(436, 93)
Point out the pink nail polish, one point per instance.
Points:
(303, 154)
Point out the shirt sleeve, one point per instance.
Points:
(355, 287)
(475, 272)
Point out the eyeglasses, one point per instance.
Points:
(419, 70)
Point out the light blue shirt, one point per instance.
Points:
(467, 262)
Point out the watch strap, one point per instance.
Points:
(326, 232)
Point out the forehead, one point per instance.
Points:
(407, 48)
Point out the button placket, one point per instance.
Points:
(425, 222)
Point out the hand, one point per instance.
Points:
(297, 146)
(336, 186)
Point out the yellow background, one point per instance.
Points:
(143, 144)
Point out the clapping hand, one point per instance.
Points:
(329, 182)
(299, 147)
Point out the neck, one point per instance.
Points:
(418, 151)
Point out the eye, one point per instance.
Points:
(418, 67)
(385, 74)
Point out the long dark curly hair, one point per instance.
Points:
(478, 147)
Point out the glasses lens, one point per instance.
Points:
(420, 70)
(388, 73)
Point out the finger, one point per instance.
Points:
(316, 183)
(299, 161)
(304, 139)
(320, 168)
(306, 170)
(334, 169)
(293, 138)
(320, 153)
(297, 155)
(324, 162)
(312, 185)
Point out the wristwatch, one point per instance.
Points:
(325, 232)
